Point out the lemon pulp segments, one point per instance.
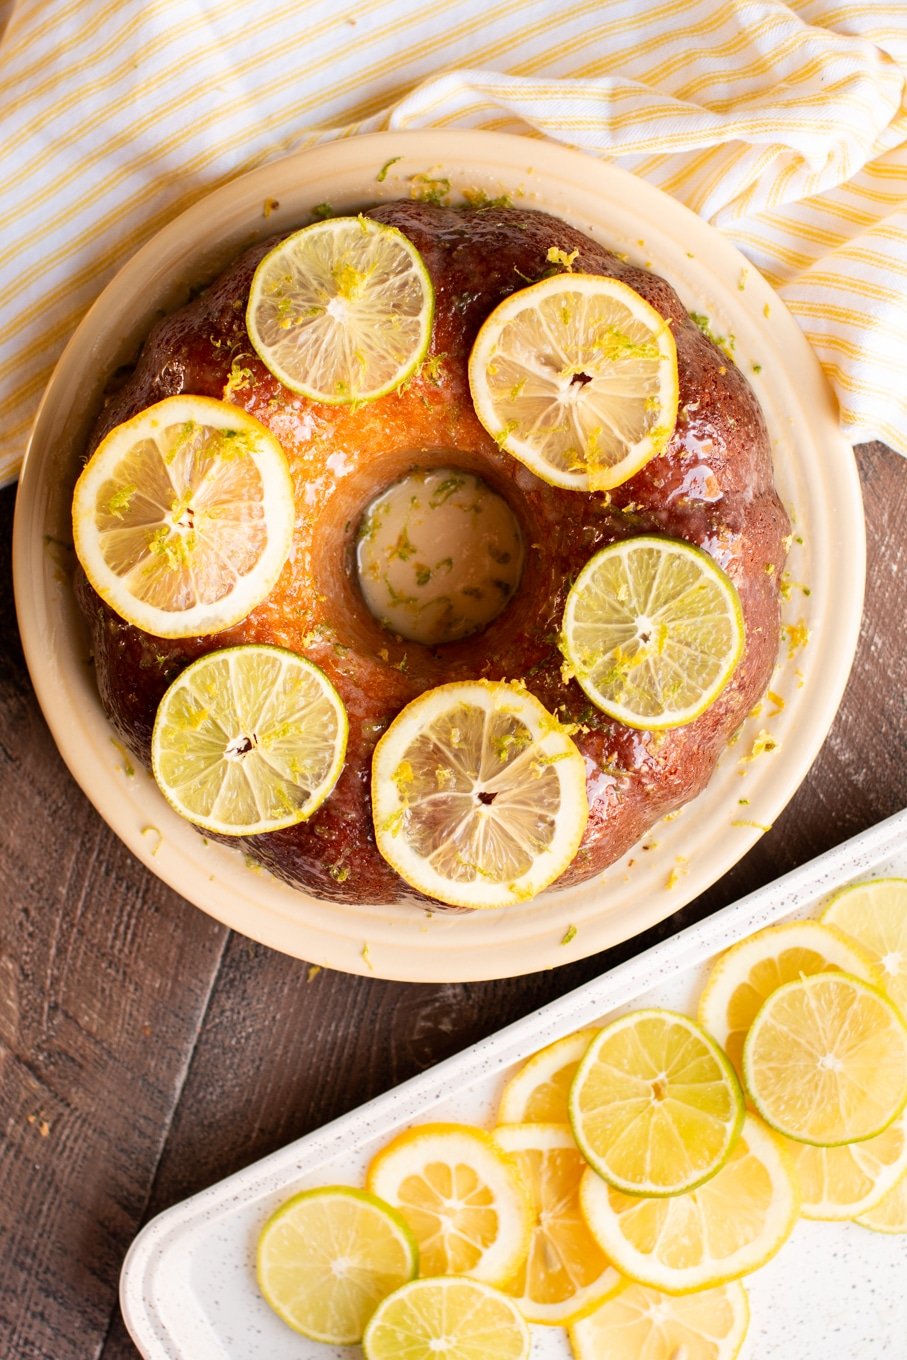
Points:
(825, 1060)
(342, 310)
(478, 795)
(454, 1318)
(577, 377)
(539, 1091)
(565, 1272)
(249, 739)
(655, 1105)
(890, 1214)
(636, 1322)
(842, 1182)
(875, 915)
(183, 516)
(652, 631)
(461, 1195)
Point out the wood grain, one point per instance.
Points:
(145, 1052)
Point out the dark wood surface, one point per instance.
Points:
(145, 1051)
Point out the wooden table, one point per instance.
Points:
(145, 1051)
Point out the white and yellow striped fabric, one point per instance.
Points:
(784, 125)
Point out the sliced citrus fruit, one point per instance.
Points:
(566, 1272)
(478, 795)
(890, 1214)
(461, 1195)
(447, 1318)
(825, 1060)
(655, 1105)
(328, 1257)
(750, 971)
(182, 517)
(342, 310)
(723, 1229)
(576, 376)
(249, 739)
(842, 1182)
(875, 915)
(540, 1090)
(652, 631)
(638, 1323)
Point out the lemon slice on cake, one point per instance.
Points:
(478, 795)
(183, 516)
(342, 310)
(577, 377)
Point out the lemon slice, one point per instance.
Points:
(652, 631)
(875, 915)
(842, 1182)
(461, 1195)
(577, 377)
(750, 971)
(342, 310)
(723, 1229)
(638, 1323)
(478, 795)
(655, 1105)
(447, 1319)
(328, 1257)
(566, 1271)
(890, 1214)
(183, 516)
(248, 739)
(825, 1060)
(540, 1090)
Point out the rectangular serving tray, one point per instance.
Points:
(835, 1292)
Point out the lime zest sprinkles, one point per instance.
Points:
(759, 826)
(153, 831)
(426, 188)
(680, 868)
(557, 256)
(569, 934)
(366, 957)
(797, 637)
(382, 173)
(725, 343)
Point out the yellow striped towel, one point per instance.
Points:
(784, 125)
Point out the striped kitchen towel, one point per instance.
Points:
(784, 125)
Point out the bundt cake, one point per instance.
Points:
(711, 486)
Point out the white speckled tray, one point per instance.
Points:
(835, 1292)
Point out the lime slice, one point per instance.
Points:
(890, 1214)
(577, 377)
(723, 1229)
(249, 739)
(652, 631)
(328, 1257)
(842, 1182)
(540, 1090)
(183, 516)
(638, 1323)
(655, 1105)
(875, 915)
(447, 1319)
(478, 795)
(461, 1195)
(825, 1060)
(342, 310)
(566, 1272)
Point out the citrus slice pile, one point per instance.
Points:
(183, 515)
(843, 1182)
(478, 795)
(576, 376)
(565, 1272)
(638, 1323)
(539, 1091)
(447, 1319)
(890, 1214)
(655, 1105)
(461, 1195)
(874, 914)
(825, 1060)
(652, 631)
(342, 310)
(249, 739)
(328, 1257)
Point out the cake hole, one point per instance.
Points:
(439, 555)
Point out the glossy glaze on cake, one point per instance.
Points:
(712, 486)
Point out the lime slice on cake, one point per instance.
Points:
(478, 795)
(342, 310)
(183, 516)
(328, 1257)
(577, 377)
(249, 739)
(652, 631)
(447, 1319)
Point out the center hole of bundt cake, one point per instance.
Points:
(438, 555)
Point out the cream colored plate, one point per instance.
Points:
(816, 476)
